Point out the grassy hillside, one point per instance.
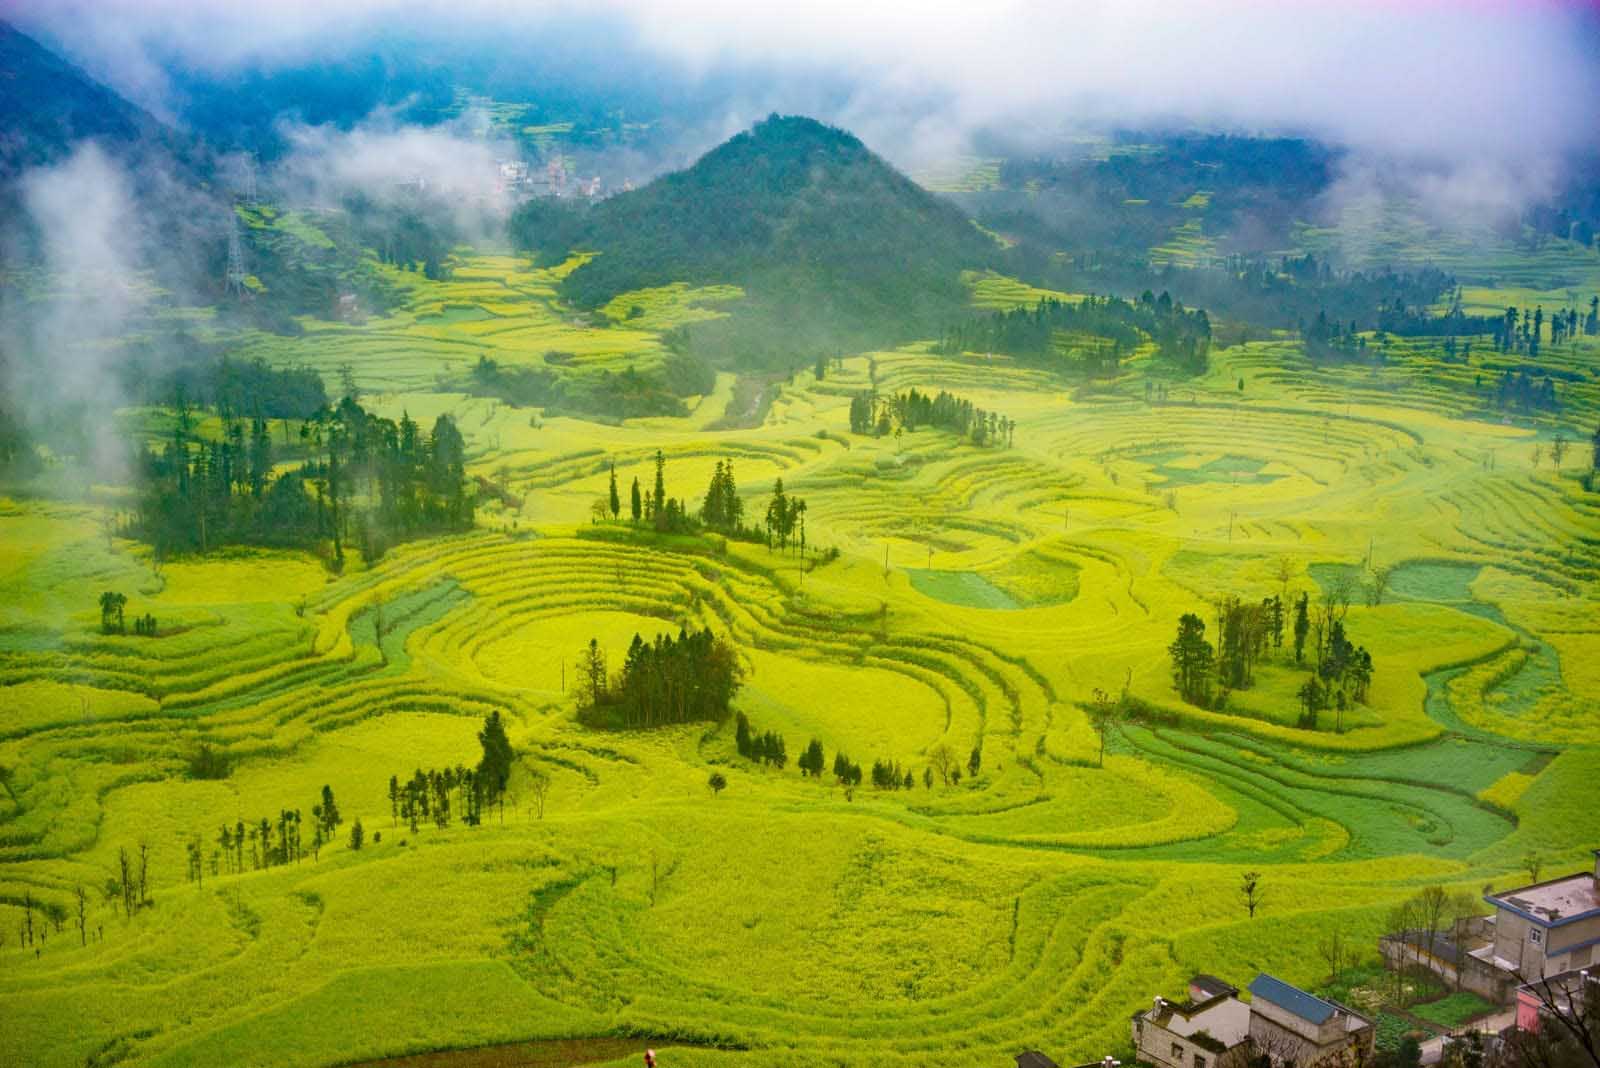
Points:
(833, 247)
(49, 105)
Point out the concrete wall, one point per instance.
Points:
(1284, 1043)
(1155, 1045)
(1485, 980)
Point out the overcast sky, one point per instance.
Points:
(1458, 80)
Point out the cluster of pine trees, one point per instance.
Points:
(426, 794)
(1523, 331)
(365, 477)
(1519, 389)
(666, 681)
(768, 747)
(668, 515)
(722, 508)
(783, 525)
(1205, 674)
(272, 840)
(232, 388)
(873, 414)
(1182, 337)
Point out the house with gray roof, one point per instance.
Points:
(1214, 1028)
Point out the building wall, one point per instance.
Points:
(1527, 1012)
(1530, 944)
(1560, 941)
(1293, 1044)
(1159, 1046)
(1288, 1021)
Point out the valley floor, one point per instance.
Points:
(980, 596)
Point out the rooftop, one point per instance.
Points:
(1218, 1023)
(1211, 987)
(1034, 1059)
(1308, 1007)
(1555, 901)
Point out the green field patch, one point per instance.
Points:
(968, 589)
(390, 624)
(457, 313)
(1453, 1010)
(1186, 469)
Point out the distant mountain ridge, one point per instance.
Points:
(833, 245)
(48, 106)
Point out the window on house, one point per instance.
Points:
(1199, 1061)
(1535, 935)
(1177, 1053)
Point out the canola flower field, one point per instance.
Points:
(979, 597)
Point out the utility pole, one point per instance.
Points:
(233, 279)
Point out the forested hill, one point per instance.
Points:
(49, 105)
(833, 245)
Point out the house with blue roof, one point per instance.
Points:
(1547, 928)
(1291, 1026)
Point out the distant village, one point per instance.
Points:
(1529, 961)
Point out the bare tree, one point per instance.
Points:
(1379, 584)
(1569, 1012)
(1558, 449)
(144, 873)
(1533, 864)
(1464, 907)
(1284, 573)
(1250, 891)
(125, 880)
(83, 906)
(1403, 922)
(1332, 950)
(539, 784)
(942, 760)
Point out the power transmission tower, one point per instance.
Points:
(233, 280)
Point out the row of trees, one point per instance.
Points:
(767, 747)
(1520, 330)
(377, 479)
(1182, 337)
(782, 526)
(1519, 389)
(666, 681)
(272, 840)
(886, 774)
(426, 795)
(910, 409)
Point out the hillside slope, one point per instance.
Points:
(49, 105)
(832, 244)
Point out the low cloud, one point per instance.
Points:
(1445, 81)
(67, 318)
(385, 161)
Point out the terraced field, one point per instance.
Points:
(978, 599)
